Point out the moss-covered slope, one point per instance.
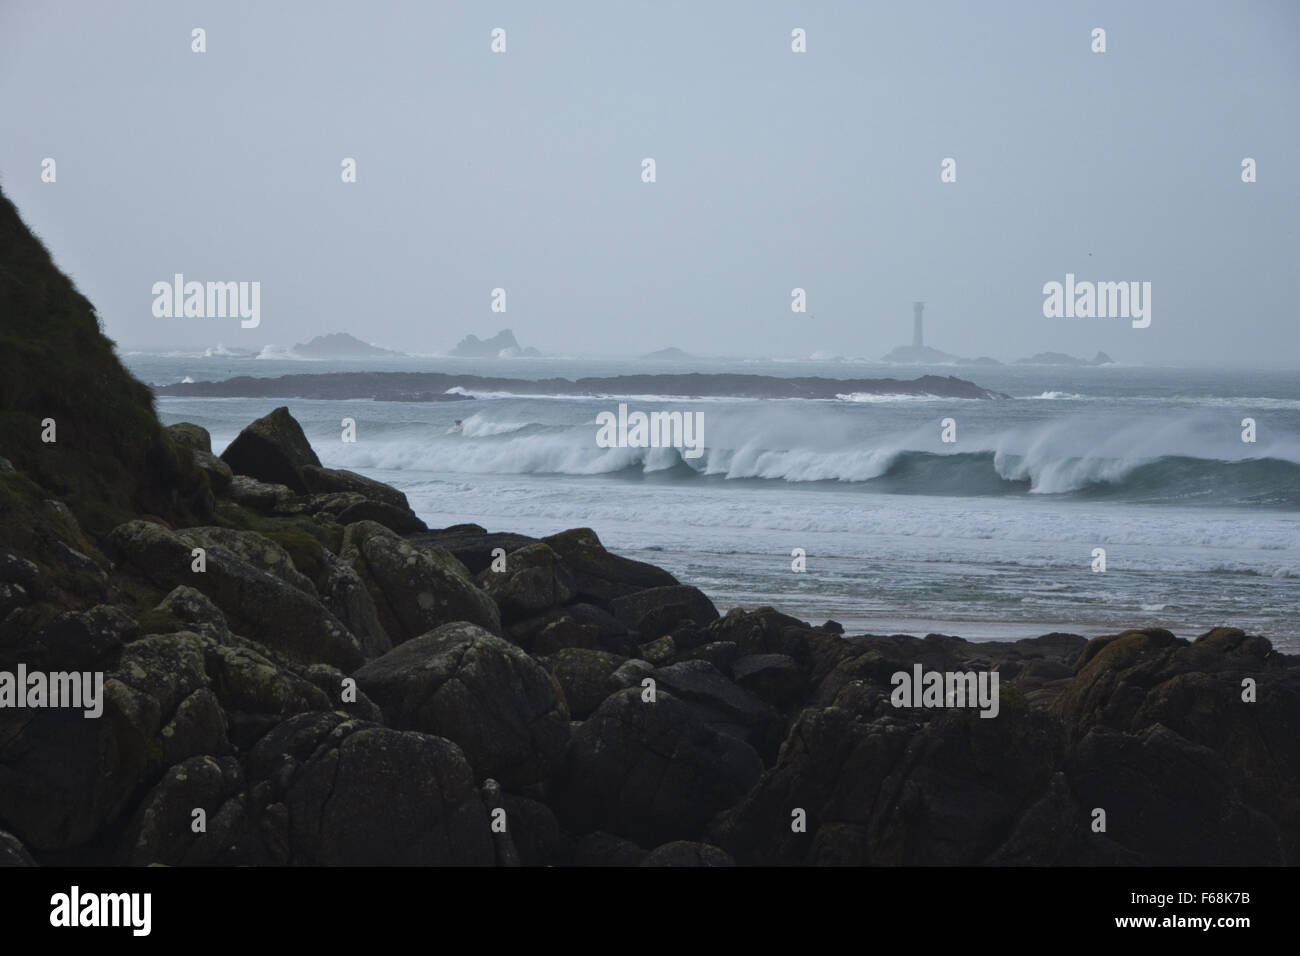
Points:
(111, 457)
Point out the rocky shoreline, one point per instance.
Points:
(340, 685)
(296, 671)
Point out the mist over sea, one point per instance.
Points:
(988, 537)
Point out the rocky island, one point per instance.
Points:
(1060, 358)
(435, 386)
(670, 354)
(340, 345)
(289, 649)
(501, 345)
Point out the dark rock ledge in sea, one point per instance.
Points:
(339, 684)
(431, 386)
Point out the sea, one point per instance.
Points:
(855, 509)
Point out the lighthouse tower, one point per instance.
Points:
(917, 338)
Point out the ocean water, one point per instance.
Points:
(991, 536)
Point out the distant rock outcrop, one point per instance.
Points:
(670, 354)
(501, 345)
(340, 345)
(1060, 358)
(922, 355)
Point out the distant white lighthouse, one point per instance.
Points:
(917, 337)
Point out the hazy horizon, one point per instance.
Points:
(775, 170)
(669, 366)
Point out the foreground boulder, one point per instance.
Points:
(499, 705)
(1157, 787)
(587, 677)
(656, 611)
(1141, 679)
(271, 468)
(600, 576)
(431, 814)
(878, 786)
(415, 589)
(534, 580)
(346, 792)
(775, 678)
(651, 772)
(273, 449)
(162, 830)
(256, 602)
(326, 480)
(471, 544)
(723, 705)
(575, 625)
(64, 776)
(199, 442)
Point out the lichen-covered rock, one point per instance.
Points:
(190, 609)
(63, 776)
(323, 480)
(472, 545)
(163, 829)
(344, 592)
(342, 693)
(534, 580)
(499, 705)
(599, 575)
(660, 651)
(255, 602)
(586, 677)
(159, 698)
(244, 680)
(194, 437)
(259, 551)
(273, 449)
(403, 521)
(258, 495)
(415, 589)
(632, 673)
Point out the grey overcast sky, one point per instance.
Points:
(775, 170)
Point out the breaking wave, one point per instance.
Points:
(1010, 465)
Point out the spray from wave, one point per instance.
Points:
(1150, 460)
